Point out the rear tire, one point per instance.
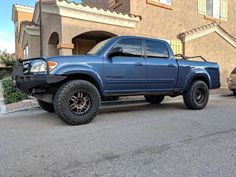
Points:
(234, 93)
(154, 99)
(197, 95)
(46, 106)
(77, 102)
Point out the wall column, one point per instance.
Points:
(65, 49)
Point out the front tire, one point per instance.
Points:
(77, 102)
(46, 106)
(154, 99)
(197, 96)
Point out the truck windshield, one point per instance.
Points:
(97, 49)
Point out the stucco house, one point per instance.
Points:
(192, 27)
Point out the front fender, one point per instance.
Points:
(195, 73)
(81, 69)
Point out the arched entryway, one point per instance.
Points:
(52, 44)
(83, 43)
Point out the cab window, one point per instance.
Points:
(156, 49)
(130, 47)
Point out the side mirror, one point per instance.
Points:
(117, 51)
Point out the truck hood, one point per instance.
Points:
(74, 59)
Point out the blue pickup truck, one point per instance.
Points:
(73, 86)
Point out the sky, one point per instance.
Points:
(7, 41)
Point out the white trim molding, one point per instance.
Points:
(207, 29)
(21, 8)
(27, 30)
(87, 13)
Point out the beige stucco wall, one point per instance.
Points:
(34, 47)
(73, 27)
(20, 16)
(214, 48)
(168, 23)
(51, 24)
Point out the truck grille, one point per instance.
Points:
(26, 67)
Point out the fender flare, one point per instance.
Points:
(81, 69)
(197, 73)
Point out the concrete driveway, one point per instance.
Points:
(138, 140)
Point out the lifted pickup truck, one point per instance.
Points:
(73, 86)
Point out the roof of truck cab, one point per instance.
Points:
(140, 37)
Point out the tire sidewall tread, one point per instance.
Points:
(189, 99)
(64, 92)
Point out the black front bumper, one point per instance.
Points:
(31, 83)
(28, 83)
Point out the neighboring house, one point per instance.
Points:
(20, 14)
(192, 27)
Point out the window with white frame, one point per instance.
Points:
(213, 8)
(168, 2)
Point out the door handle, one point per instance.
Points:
(138, 64)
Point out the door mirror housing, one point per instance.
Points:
(117, 51)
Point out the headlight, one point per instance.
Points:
(40, 66)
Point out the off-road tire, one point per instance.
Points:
(154, 99)
(197, 96)
(63, 98)
(46, 106)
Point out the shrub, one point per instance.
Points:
(11, 96)
(4, 73)
(8, 60)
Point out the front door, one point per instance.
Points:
(125, 72)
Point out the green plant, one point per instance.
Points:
(4, 73)
(8, 60)
(11, 96)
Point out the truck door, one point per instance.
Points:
(162, 70)
(125, 71)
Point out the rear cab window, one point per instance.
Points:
(156, 49)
